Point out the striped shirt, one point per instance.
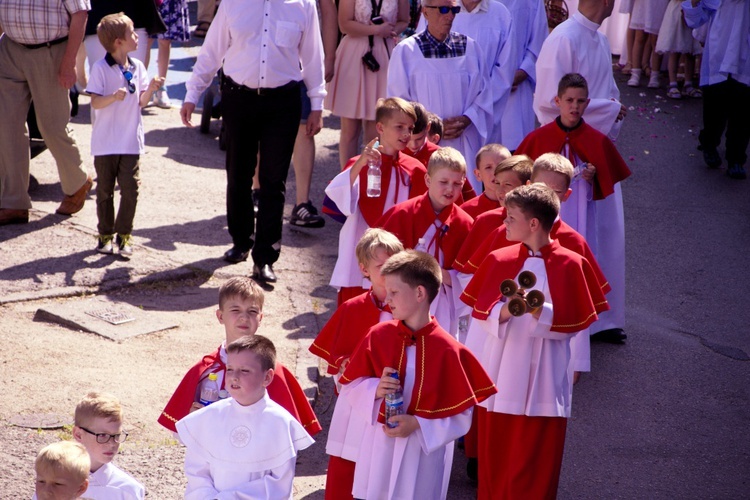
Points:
(32, 22)
(453, 46)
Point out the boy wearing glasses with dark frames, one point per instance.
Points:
(119, 88)
(98, 427)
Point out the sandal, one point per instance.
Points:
(626, 69)
(691, 91)
(201, 29)
(674, 93)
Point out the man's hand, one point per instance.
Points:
(314, 122)
(455, 126)
(186, 113)
(407, 424)
(518, 77)
(67, 74)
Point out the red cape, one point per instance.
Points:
(424, 154)
(283, 389)
(347, 327)
(407, 170)
(575, 291)
(483, 225)
(567, 236)
(588, 144)
(448, 378)
(479, 205)
(410, 220)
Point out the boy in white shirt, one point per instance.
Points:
(244, 446)
(119, 88)
(98, 427)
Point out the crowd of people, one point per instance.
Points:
(474, 312)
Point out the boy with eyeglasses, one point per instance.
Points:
(119, 88)
(98, 427)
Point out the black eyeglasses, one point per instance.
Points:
(103, 437)
(444, 9)
(131, 87)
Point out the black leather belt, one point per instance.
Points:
(230, 84)
(45, 44)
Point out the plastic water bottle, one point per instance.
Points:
(210, 390)
(373, 176)
(394, 404)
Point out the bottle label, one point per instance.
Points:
(373, 183)
(205, 402)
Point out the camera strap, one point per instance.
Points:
(375, 13)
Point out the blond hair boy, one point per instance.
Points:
(98, 427)
(401, 178)
(62, 471)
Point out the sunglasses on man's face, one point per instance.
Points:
(444, 9)
(129, 77)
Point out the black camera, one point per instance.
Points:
(370, 62)
(377, 20)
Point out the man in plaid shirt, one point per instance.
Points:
(37, 61)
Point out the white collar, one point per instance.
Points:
(482, 7)
(585, 21)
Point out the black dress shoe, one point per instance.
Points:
(472, 469)
(235, 255)
(264, 273)
(611, 336)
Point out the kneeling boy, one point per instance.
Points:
(244, 446)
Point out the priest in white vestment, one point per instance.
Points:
(445, 72)
(576, 46)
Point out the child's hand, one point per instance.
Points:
(387, 384)
(623, 111)
(371, 153)
(156, 83)
(407, 424)
(120, 94)
(576, 377)
(196, 406)
(343, 365)
(588, 173)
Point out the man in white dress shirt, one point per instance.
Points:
(265, 48)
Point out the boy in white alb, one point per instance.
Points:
(119, 88)
(244, 446)
(98, 427)
(62, 471)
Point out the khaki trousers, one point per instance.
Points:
(27, 74)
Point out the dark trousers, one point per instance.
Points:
(726, 105)
(125, 170)
(265, 124)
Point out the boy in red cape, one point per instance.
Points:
(337, 341)
(402, 178)
(522, 427)
(441, 380)
(433, 223)
(424, 141)
(594, 208)
(487, 160)
(240, 311)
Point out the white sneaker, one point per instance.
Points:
(635, 77)
(124, 245)
(104, 244)
(161, 99)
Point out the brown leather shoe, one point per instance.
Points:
(74, 203)
(13, 216)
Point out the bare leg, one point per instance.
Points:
(629, 41)
(303, 159)
(655, 63)
(636, 58)
(674, 60)
(349, 144)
